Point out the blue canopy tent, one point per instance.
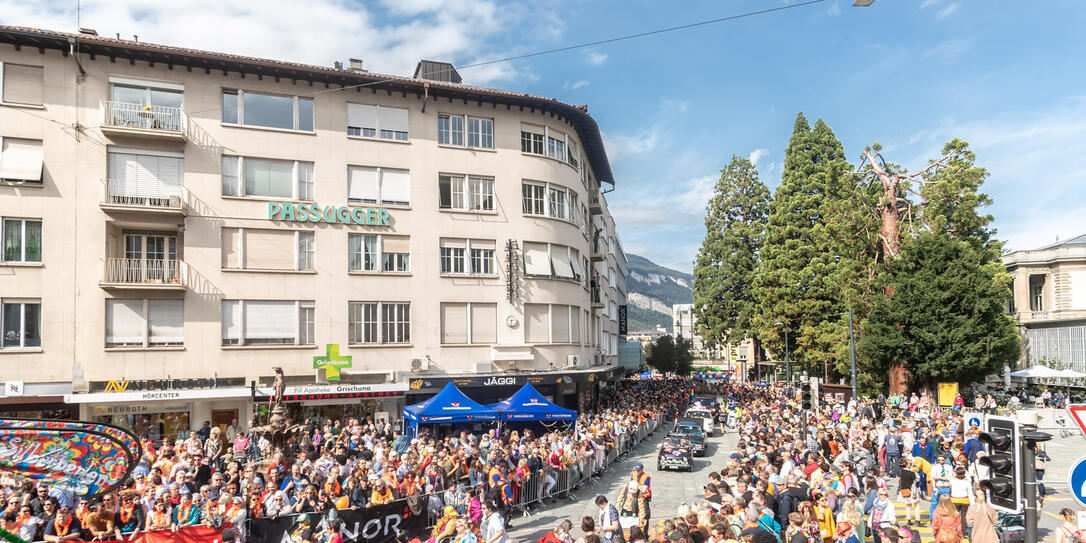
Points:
(448, 406)
(528, 405)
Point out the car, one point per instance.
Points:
(692, 433)
(706, 402)
(708, 422)
(675, 453)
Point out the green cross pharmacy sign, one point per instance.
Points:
(331, 362)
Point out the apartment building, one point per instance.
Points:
(1049, 302)
(178, 223)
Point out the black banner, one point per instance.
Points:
(622, 320)
(377, 524)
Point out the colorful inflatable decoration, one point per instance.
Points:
(86, 459)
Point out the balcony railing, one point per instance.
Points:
(142, 117)
(145, 272)
(142, 193)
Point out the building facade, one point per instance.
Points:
(177, 223)
(1049, 302)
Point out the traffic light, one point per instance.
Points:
(806, 400)
(1004, 484)
(814, 393)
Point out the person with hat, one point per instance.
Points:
(446, 525)
(643, 480)
(845, 533)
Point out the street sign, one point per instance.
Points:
(1076, 481)
(973, 420)
(1078, 414)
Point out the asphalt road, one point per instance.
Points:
(669, 488)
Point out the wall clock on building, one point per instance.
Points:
(511, 321)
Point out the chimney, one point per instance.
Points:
(87, 31)
(356, 65)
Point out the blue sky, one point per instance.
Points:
(1004, 75)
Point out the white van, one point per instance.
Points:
(706, 416)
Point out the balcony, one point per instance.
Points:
(594, 205)
(159, 122)
(144, 273)
(153, 197)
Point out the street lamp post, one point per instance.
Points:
(852, 353)
(787, 362)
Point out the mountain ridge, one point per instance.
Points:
(651, 291)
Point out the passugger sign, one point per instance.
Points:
(364, 216)
(377, 524)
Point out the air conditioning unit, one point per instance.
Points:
(484, 367)
(420, 364)
(573, 360)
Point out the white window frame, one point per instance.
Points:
(465, 131)
(146, 326)
(2, 101)
(299, 187)
(569, 197)
(380, 322)
(551, 248)
(465, 259)
(298, 250)
(380, 188)
(569, 309)
(309, 306)
(240, 93)
(22, 302)
(469, 319)
(22, 240)
(377, 135)
(379, 257)
(474, 191)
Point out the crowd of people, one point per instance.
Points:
(850, 472)
(460, 479)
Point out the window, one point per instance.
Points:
(531, 139)
(480, 131)
(21, 84)
(22, 240)
(267, 110)
(469, 323)
(551, 323)
(551, 260)
(266, 249)
(561, 203)
(470, 256)
(267, 322)
(138, 177)
(20, 160)
(378, 186)
(265, 178)
(557, 198)
(464, 193)
(367, 121)
(532, 196)
(1037, 293)
(379, 322)
(556, 145)
(21, 323)
(144, 323)
(364, 251)
(571, 151)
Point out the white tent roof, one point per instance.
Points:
(1037, 371)
(1072, 374)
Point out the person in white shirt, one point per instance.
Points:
(493, 527)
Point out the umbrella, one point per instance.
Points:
(1037, 371)
(1072, 374)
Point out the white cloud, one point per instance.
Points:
(927, 3)
(595, 58)
(949, 50)
(390, 36)
(756, 155)
(835, 9)
(574, 85)
(947, 11)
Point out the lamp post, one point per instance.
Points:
(787, 362)
(852, 353)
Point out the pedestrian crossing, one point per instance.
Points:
(924, 526)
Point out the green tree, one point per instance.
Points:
(726, 264)
(660, 354)
(684, 356)
(809, 266)
(943, 315)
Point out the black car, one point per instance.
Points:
(691, 432)
(675, 452)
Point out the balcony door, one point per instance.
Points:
(150, 258)
(138, 104)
